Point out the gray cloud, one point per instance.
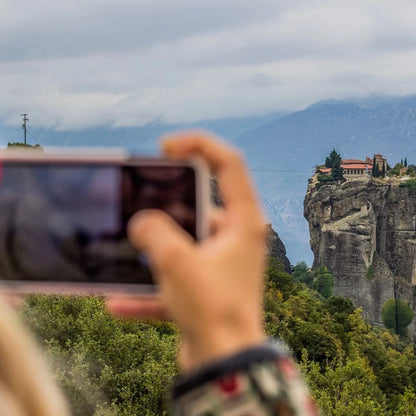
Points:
(74, 64)
(78, 29)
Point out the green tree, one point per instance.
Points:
(339, 305)
(321, 345)
(347, 389)
(411, 171)
(338, 173)
(278, 278)
(396, 314)
(375, 171)
(406, 403)
(333, 159)
(396, 169)
(323, 282)
(302, 274)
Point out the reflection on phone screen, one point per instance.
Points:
(68, 222)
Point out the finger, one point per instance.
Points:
(183, 358)
(217, 220)
(233, 179)
(167, 245)
(137, 308)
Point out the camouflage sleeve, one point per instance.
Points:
(256, 382)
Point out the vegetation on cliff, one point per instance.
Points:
(410, 184)
(402, 168)
(121, 367)
(397, 315)
(323, 282)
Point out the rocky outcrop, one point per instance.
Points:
(276, 248)
(365, 233)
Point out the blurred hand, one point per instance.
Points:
(212, 289)
(14, 300)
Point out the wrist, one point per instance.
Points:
(240, 361)
(217, 343)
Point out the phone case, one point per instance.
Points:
(34, 255)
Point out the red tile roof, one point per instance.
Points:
(351, 161)
(357, 166)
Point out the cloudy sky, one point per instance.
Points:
(73, 64)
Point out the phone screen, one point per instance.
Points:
(66, 222)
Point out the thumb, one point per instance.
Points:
(167, 245)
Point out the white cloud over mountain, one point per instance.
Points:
(74, 64)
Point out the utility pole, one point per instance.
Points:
(25, 120)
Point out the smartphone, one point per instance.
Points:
(63, 218)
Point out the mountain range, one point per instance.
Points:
(281, 148)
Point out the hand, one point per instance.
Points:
(212, 289)
(14, 300)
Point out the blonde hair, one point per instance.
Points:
(26, 386)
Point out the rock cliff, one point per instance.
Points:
(365, 233)
(276, 248)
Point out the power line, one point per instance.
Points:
(279, 170)
(395, 231)
(36, 140)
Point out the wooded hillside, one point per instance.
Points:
(121, 367)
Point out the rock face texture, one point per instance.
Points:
(276, 248)
(365, 233)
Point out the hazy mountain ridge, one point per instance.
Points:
(337, 125)
(142, 139)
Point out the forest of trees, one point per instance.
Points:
(111, 367)
(351, 367)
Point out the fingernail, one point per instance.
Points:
(138, 219)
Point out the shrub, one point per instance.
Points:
(11, 145)
(278, 279)
(411, 171)
(323, 282)
(302, 274)
(397, 315)
(410, 184)
(324, 178)
(370, 272)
